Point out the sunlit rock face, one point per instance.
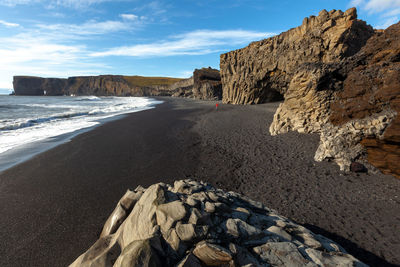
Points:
(262, 71)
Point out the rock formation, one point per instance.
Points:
(353, 104)
(207, 84)
(263, 71)
(194, 224)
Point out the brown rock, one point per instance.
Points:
(212, 255)
(373, 85)
(262, 71)
(207, 84)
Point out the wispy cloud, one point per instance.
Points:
(8, 24)
(193, 43)
(88, 28)
(389, 10)
(56, 3)
(129, 16)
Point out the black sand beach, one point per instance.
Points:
(53, 206)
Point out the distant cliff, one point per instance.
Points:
(206, 86)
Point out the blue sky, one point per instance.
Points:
(62, 38)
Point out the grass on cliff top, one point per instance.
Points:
(150, 81)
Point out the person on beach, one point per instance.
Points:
(216, 106)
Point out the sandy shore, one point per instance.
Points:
(53, 206)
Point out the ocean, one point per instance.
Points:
(33, 124)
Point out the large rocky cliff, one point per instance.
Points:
(193, 224)
(262, 71)
(205, 84)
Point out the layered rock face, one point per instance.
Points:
(207, 84)
(25, 85)
(371, 92)
(204, 84)
(353, 104)
(263, 71)
(103, 85)
(194, 224)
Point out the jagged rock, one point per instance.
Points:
(262, 71)
(120, 212)
(212, 255)
(372, 87)
(207, 84)
(161, 229)
(282, 254)
(138, 253)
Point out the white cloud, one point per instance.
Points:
(381, 5)
(193, 43)
(8, 24)
(387, 9)
(88, 28)
(129, 16)
(55, 3)
(31, 54)
(387, 23)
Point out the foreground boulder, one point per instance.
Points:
(194, 224)
(263, 71)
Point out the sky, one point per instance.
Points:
(63, 38)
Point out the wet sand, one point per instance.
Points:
(53, 206)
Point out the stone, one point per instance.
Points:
(243, 257)
(240, 229)
(161, 230)
(169, 213)
(103, 253)
(138, 253)
(280, 232)
(186, 232)
(329, 259)
(211, 254)
(190, 261)
(357, 167)
(282, 254)
(120, 212)
(141, 222)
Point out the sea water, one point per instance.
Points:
(32, 124)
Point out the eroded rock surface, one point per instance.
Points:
(263, 71)
(194, 224)
(207, 84)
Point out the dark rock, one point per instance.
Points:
(207, 84)
(357, 167)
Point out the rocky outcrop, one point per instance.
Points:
(103, 85)
(371, 92)
(26, 85)
(207, 84)
(353, 104)
(263, 71)
(194, 224)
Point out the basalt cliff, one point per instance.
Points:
(205, 84)
(194, 224)
(337, 76)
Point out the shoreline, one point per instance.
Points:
(26, 152)
(55, 204)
